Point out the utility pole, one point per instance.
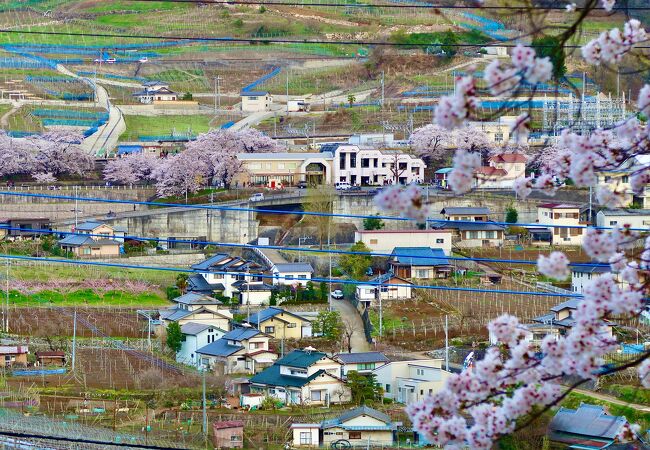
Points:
(74, 340)
(381, 312)
(287, 91)
(383, 92)
(217, 93)
(205, 413)
(7, 298)
(446, 343)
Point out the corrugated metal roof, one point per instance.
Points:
(279, 155)
(294, 267)
(301, 358)
(241, 333)
(361, 358)
(220, 347)
(194, 328)
(587, 420)
(420, 256)
(75, 240)
(192, 298)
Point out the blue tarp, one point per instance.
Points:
(32, 372)
(128, 149)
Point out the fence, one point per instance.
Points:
(18, 63)
(70, 114)
(275, 72)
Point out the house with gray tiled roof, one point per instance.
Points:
(195, 336)
(362, 362)
(587, 427)
(291, 273)
(419, 262)
(93, 239)
(303, 377)
(241, 350)
(231, 276)
(197, 308)
(280, 323)
(358, 427)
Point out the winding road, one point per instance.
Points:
(350, 316)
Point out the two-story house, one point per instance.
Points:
(195, 336)
(155, 91)
(584, 273)
(290, 274)
(280, 323)
(619, 179)
(635, 218)
(303, 377)
(358, 427)
(386, 286)
(242, 350)
(502, 171)
(363, 362)
(93, 238)
(411, 381)
(198, 308)
(419, 263)
(232, 277)
(466, 213)
(569, 231)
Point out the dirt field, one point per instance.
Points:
(91, 322)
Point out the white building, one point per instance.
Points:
(362, 362)
(155, 91)
(619, 180)
(373, 167)
(565, 215)
(635, 218)
(583, 274)
(384, 241)
(391, 287)
(502, 171)
(233, 277)
(242, 350)
(256, 101)
(411, 381)
(291, 273)
(196, 335)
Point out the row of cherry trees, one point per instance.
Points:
(44, 157)
(210, 159)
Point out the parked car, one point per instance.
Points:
(337, 294)
(342, 186)
(110, 61)
(354, 188)
(256, 197)
(144, 59)
(303, 185)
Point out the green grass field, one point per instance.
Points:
(87, 297)
(54, 271)
(164, 125)
(634, 416)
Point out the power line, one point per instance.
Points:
(267, 40)
(281, 277)
(288, 249)
(83, 441)
(395, 6)
(303, 213)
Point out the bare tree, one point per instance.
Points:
(347, 333)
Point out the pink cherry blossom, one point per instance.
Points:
(406, 201)
(462, 175)
(598, 245)
(555, 265)
(644, 373)
(608, 4)
(523, 187)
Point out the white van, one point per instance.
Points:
(256, 197)
(342, 186)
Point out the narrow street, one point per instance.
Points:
(350, 315)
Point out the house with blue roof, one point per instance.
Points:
(419, 263)
(587, 427)
(358, 427)
(280, 323)
(242, 350)
(197, 308)
(94, 239)
(231, 276)
(303, 377)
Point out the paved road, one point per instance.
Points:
(350, 315)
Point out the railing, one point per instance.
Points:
(550, 288)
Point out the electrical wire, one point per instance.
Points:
(397, 6)
(269, 40)
(301, 213)
(281, 277)
(83, 440)
(289, 249)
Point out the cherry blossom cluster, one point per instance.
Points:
(612, 45)
(461, 177)
(407, 201)
(525, 67)
(555, 265)
(453, 110)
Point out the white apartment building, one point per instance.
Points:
(370, 166)
(411, 381)
(635, 218)
(256, 101)
(564, 215)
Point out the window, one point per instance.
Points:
(235, 438)
(288, 277)
(440, 241)
(613, 222)
(489, 235)
(354, 435)
(422, 273)
(373, 241)
(387, 388)
(472, 234)
(625, 179)
(498, 137)
(305, 438)
(353, 160)
(365, 162)
(299, 372)
(302, 277)
(366, 366)
(316, 396)
(249, 98)
(280, 165)
(342, 161)
(269, 329)
(255, 345)
(419, 371)
(291, 325)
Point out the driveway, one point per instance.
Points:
(350, 316)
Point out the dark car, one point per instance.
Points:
(354, 188)
(303, 185)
